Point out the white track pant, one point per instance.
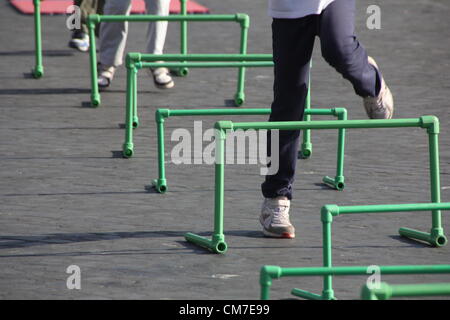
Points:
(113, 35)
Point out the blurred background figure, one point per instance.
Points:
(80, 37)
(113, 37)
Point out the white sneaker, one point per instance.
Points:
(382, 106)
(79, 41)
(275, 218)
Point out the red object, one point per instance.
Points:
(60, 6)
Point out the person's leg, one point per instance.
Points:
(156, 37)
(156, 32)
(342, 50)
(113, 35)
(79, 38)
(293, 41)
(87, 7)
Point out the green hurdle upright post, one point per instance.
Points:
(182, 72)
(306, 146)
(38, 70)
(217, 244)
(161, 115)
(241, 18)
(268, 273)
(387, 291)
(431, 123)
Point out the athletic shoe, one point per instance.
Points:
(275, 219)
(105, 75)
(382, 106)
(79, 41)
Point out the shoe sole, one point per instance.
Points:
(82, 49)
(267, 233)
(284, 235)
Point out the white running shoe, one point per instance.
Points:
(79, 41)
(275, 218)
(382, 106)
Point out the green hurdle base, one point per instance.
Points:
(386, 291)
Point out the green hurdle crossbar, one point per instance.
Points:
(241, 18)
(430, 123)
(268, 273)
(161, 115)
(38, 70)
(387, 291)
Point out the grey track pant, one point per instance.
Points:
(113, 35)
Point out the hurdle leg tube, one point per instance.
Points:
(327, 219)
(135, 97)
(160, 184)
(327, 292)
(95, 94)
(38, 70)
(183, 71)
(266, 274)
(436, 236)
(128, 147)
(338, 182)
(239, 98)
(217, 244)
(306, 146)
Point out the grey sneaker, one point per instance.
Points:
(275, 219)
(381, 107)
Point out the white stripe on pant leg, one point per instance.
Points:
(156, 32)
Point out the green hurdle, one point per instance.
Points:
(268, 273)
(38, 70)
(387, 291)
(430, 123)
(161, 115)
(241, 18)
(134, 62)
(436, 238)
